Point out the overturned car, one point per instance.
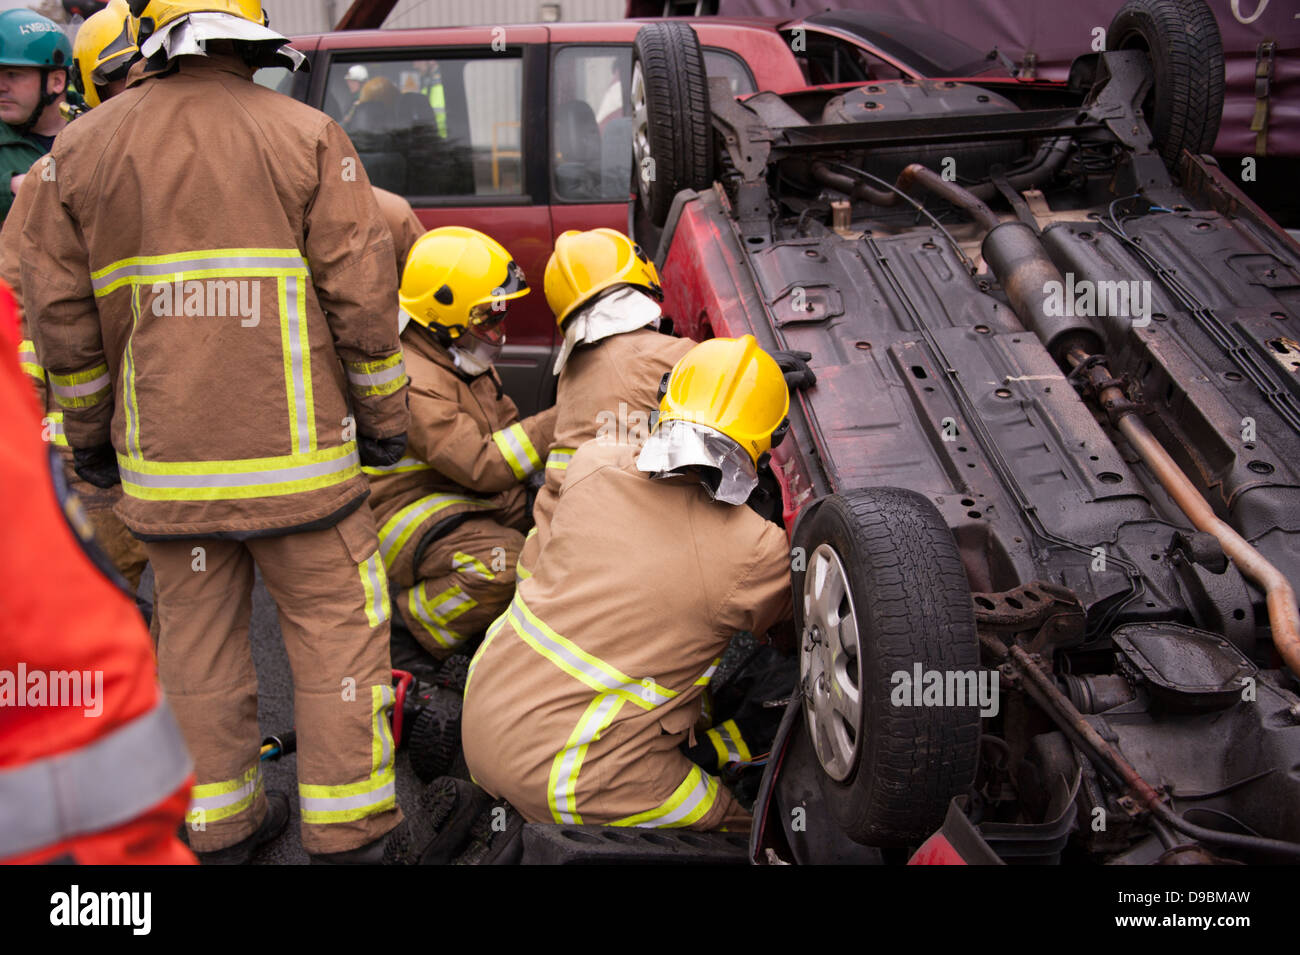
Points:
(1045, 494)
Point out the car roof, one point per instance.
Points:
(754, 39)
(931, 51)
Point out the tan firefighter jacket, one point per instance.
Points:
(402, 224)
(203, 254)
(467, 450)
(606, 392)
(583, 690)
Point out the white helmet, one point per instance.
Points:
(357, 72)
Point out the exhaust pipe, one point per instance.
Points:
(1283, 615)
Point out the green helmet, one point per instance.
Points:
(29, 39)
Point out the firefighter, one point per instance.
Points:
(604, 292)
(451, 514)
(106, 790)
(34, 60)
(103, 52)
(582, 692)
(402, 224)
(212, 324)
(104, 47)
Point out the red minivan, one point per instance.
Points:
(519, 131)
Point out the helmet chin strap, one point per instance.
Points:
(47, 98)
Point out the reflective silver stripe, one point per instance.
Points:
(359, 801)
(522, 460)
(390, 535)
(79, 390)
(450, 602)
(697, 795)
(729, 744)
(366, 379)
(297, 472)
(101, 785)
(166, 269)
(379, 593)
(602, 678)
(295, 359)
(566, 782)
(222, 800)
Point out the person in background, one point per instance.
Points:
(34, 59)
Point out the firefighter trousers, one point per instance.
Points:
(331, 591)
(463, 580)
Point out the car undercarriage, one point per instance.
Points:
(1045, 494)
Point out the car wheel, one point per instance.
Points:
(672, 133)
(881, 589)
(1182, 38)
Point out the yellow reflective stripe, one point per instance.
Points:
(704, 678)
(377, 793)
(52, 429)
(374, 582)
(729, 744)
(213, 801)
(518, 451)
(689, 803)
(381, 377)
(404, 466)
(81, 389)
(27, 359)
(399, 528)
(492, 631)
(206, 263)
(436, 614)
(234, 480)
(469, 564)
(129, 402)
(559, 458)
(562, 787)
(581, 665)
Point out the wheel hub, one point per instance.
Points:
(641, 131)
(829, 664)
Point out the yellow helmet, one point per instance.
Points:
(732, 386)
(584, 264)
(104, 48)
(163, 12)
(456, 278)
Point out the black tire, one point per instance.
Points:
(1182, 38)
(678, 130)
(909, 598)
(435, 734)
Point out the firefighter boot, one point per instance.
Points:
(241, 853)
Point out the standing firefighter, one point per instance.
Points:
(584, 689)
(211, 318)
(603, 290)
(452, 513)
(34, 60)
(105, 47)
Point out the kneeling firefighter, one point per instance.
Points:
(451, 513)
(605, 294)
(583, 691)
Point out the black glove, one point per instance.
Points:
(794, 366)
(381, 452)
(97, 466)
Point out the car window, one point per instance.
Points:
(591, 118)
(433, 127)
(723, 63)
(827, 59)
(276, 78)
